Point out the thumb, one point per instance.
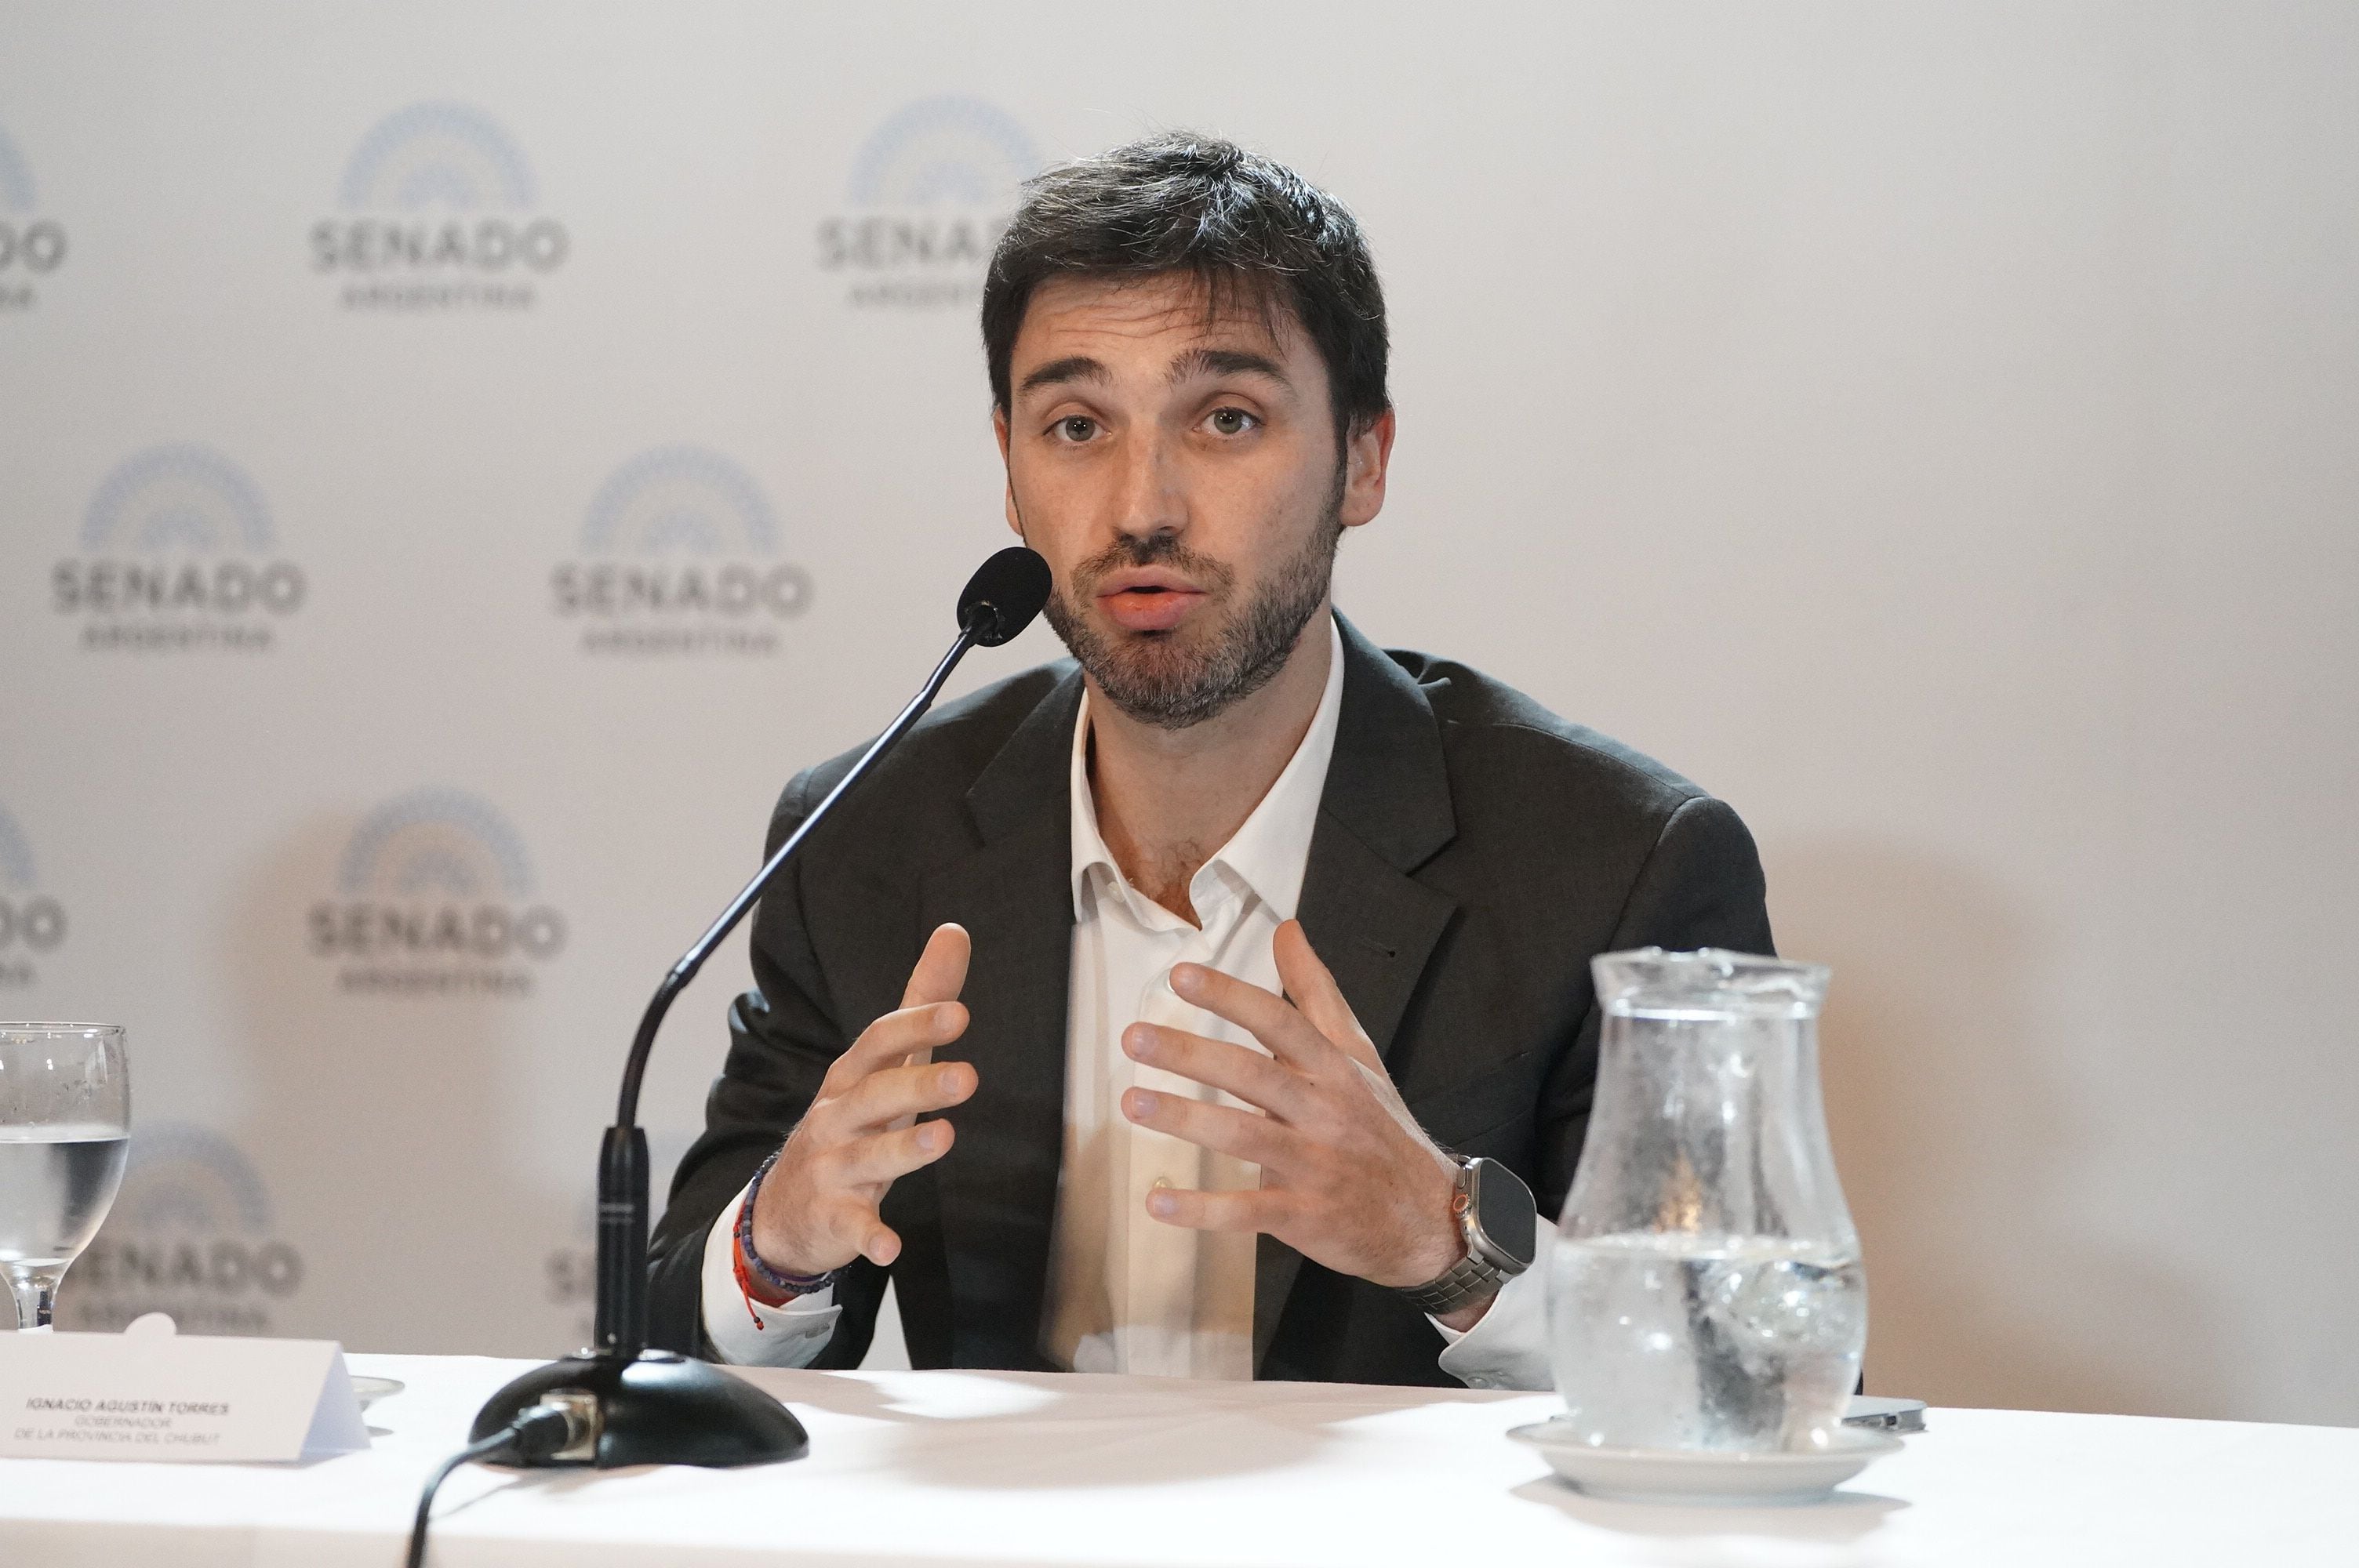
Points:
(1320, 999)
(1313, 989)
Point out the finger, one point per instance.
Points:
(893, 1039)
(1314, 990)
(876, 1241)
(854, 1231)
(941, 973)
(1224, 1129)
(1268, 1016)
(1193, 1210)
(896, 1094)
(1222, 1064)
(886, 1157)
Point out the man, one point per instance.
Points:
(1146, 1013)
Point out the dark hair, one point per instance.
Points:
(1250, 228)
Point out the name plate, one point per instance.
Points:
(153, 1395)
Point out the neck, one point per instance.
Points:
(1167, 799)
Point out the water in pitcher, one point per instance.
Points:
(1690, 1341)
(55, 1183)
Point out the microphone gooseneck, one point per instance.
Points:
(657, 1407)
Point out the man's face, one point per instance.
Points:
(1177, 467)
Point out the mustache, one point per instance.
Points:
(1150, 550)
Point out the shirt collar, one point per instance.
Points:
(1269, 853)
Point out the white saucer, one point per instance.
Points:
(1668, 1476)
(368, 1391)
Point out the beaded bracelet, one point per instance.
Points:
(787, 1285)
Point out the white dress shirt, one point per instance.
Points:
(1127, 1292)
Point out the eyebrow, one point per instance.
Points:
(1227, 361)
(1072, 367)
(1195, 362)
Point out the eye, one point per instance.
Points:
(1075, 428)
(1232, 421)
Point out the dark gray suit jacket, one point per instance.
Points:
(1472, 851)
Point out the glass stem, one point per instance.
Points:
(37, 1296)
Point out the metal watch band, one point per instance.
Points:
(1468, 1279)
(1490, 1262)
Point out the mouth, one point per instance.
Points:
(1148, 599)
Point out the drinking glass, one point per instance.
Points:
(65, 1123)
(1706, 1291)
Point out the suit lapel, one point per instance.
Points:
(997, 1185)
(1385, 812)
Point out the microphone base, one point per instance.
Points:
(657, 1409)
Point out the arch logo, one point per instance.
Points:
(177, 553)
(32, 921)
(928, 195)
(32, 245)
(189, 1233)
(679, 553)
(434, 897)
(437, 210)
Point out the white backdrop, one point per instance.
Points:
(458, 460)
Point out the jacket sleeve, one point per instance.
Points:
(783, 1036)
(1701, 887)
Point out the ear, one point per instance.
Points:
(1367, 453)
(999, 433)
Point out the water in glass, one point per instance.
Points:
(65, 1122)
(55, 1185)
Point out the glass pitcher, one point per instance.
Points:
(1705, 1290)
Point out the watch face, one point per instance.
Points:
(1504, 1208)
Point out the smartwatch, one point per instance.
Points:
(1499, 1221)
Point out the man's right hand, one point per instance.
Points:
(817, 1207)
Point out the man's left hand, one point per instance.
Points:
(1344, 1180)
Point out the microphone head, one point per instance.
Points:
(1003, 596)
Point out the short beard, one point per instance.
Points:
(1172, 684)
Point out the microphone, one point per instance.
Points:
(638, 1406)
(1001, 597)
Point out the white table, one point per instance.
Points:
(1000, 1468)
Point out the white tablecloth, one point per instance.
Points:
(1000, 1468)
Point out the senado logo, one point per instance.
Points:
(32, 923)
(678, 555)
(31, 246)
(189, 1233)
(931, 191)
(439, 213)
(178, 555)
(434, 897)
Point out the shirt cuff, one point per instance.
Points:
(1508, 1347)
(747, 1334)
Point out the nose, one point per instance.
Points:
(1149, 500)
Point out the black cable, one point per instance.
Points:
(536, 1434)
